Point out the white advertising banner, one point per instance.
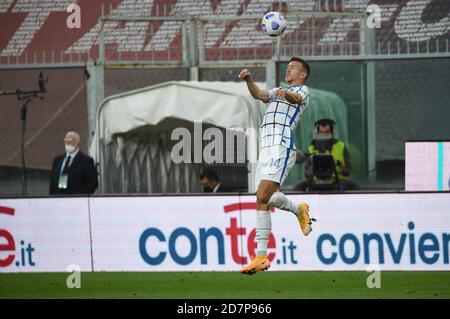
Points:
(404, 231)
(394, 231)
(427, 166)
(44, 234)
(161, 233)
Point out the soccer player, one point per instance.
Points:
(277, 154)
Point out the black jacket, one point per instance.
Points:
(222, 189)
(82, 175)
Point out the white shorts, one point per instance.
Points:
(274, 164)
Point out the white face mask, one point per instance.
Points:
(70, 148)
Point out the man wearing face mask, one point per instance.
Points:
(73, 172)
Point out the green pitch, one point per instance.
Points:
(227, 285)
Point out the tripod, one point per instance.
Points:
(27, 97)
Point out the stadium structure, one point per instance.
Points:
(126, 73)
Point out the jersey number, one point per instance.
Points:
(276, 163)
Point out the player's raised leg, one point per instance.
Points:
(301, 211)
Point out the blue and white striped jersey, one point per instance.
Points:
(281, 118)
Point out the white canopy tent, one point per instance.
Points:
(222, 104)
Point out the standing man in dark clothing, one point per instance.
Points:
(73, 172)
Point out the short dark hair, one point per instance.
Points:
(304, 63)
(324, 122)
(210, 174)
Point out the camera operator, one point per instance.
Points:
(328, 161)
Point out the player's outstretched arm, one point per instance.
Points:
(255, 91)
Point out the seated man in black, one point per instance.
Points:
(328, 164)
(210, 182)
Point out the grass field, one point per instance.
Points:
(227, 285)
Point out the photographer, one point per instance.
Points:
(328, 161)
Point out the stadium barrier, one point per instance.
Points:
(395, 231)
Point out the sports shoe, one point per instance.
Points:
(259, 263)
(304, 219)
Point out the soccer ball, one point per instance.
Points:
(273, 24)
